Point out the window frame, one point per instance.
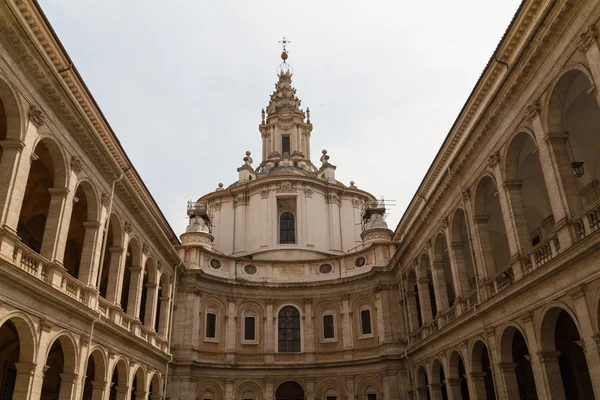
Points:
(363, 335)
(216, 314)
(289, 145)
(277, 343)
(295, 242)
(324, 339)
(243, 338)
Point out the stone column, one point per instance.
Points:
(453, 386)
(24, 381)
(424, 298)
(269, 395)
(334, 222)
(122, 393)
(435, 390)
(67, 384)
(269, 334)
(589, 46)
(165, 312)
(151, 305)
(229, 389)
(115, 274)
(489, 267)
(98, 390)
(509, 380)
(439, 281)
(549, 361)
(231, 329)
(391, 390)
(309, 330)
(310, 388)
(88, 268)
(264, 210)
(310, 235)
(140, 395)
(413, 317)
(510, 225)
(350, 388)
(347, 326)
(494, 356)
(135, 291)
(54, 223)
(536, 365)
(478, 385)
(422, 393)
(381, 331)
(14, 170)
(590, 347)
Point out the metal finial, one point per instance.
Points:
(284, 42)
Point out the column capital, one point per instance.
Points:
(25, 367)
(91, 224)
(587, 39)
(58, 192)
(68, 377)
(12, 144)
(116, 249)
(476, 376)
(548, 356)
(99, 384)
(507, 367)
(134, 269)
(513, 184)
(481, 219)
(577, 292)
(453, 382)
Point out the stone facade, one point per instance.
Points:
(287, 284)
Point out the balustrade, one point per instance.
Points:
(540, 254)
(587, 222)
(502, 281)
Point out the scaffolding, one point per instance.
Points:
(200, 209)
(371, 207)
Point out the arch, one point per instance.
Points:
(17, 346)
(413, 301)
(26, 332)
(442, 269)
(457, 376)
(572, 112)
(427, 295)
(515, 363)
(248, 390)
(119, 377)
(149, 274)
(330, 387)
(79, 247)
(367, 382)
(133, 260)
(112, 254)
(210, 390)
(95, 373)
(161, 323)
(290, 390)
(490, 226)
(61, 362)
(12, 118)
(47, 175)
(527, 190)
(481, 363)
(460, 243)
(289, 330)
(438, 380)
(563, 355)
(138, 383)
(154, 388)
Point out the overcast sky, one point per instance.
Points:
(182, 82)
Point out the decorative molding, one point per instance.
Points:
(286, 187)
(241, 200)
(127, 227)
(264, 193)
(145, 248)
(332, 198)
(76, 164)
(308, 192)
(105, 200)
(466, 194)
(36, 116)
(587, 39)
(285, 205)
(216, 206)
(493, 159)
(533, 110)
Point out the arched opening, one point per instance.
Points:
(133, 258)
(422, 385)
(412, 297)
(457, 381)
(16, 346)
(290, 390)
(118, 382)
(482, 376)
(154, 393)
(59, 377)
(287, 228)
(288, 321)
(490, 227)
(82, 231)
(438, 381)
(527, 192)
(462, 251)
(560, 336)
(426, 290)
(45, 175)
(95, 377)
(573, 109)
(443, 272)
(144, 294)
(161, 322)
(516, 365)
(112, 253)
(138, 385)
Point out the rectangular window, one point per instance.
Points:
(330, 398)
(285, 146)
(371, 396)
(249, 328)
(365, 322)
(211, 325)
(328, 327)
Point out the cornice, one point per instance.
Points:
(101, 144)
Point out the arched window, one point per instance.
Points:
(288, 321)
(287, 228)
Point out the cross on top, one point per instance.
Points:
(284, 42)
